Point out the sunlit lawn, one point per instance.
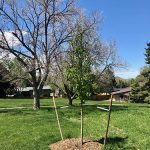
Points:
(22, 128)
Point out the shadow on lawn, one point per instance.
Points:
(114, 141)
(144, 106)
(17, 111)
(89, 109)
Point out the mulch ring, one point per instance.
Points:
(75, 144)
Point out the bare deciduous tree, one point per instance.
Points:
(38, 29)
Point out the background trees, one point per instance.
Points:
(105, 81)
(140, 90)
(6, 87)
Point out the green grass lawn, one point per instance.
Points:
(22, 128)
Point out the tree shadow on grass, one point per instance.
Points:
(88, 109)
(117, 142)
(25, 105)
(144, 106)
(17, 111)
(93, 109)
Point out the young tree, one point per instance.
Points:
(80, 72)
(38, 28)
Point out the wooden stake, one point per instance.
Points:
(108, 120)
(81, 123)
(57, 118)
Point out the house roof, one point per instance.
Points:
(26, 89)
(122, 91)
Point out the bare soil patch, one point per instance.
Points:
(75, 144)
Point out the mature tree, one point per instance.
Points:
(141, 86)
(143, 81)
(38, 28)
(147, 99)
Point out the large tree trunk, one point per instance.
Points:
(70, 101)
(69, 96)
(36, 97)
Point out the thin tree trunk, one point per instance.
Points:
(81, 123)
(36, 98)
(108, 120)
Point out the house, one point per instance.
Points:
(122, 94)
(27, 92)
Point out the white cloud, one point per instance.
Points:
(127, 74)
(12, 41)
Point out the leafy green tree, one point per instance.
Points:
(121, 83)
(145, 85)
(135, 95)
(141, 88)
(80, 72)
(6, 87)
(147, 73)
(16, 75)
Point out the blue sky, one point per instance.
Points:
(128, 23)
